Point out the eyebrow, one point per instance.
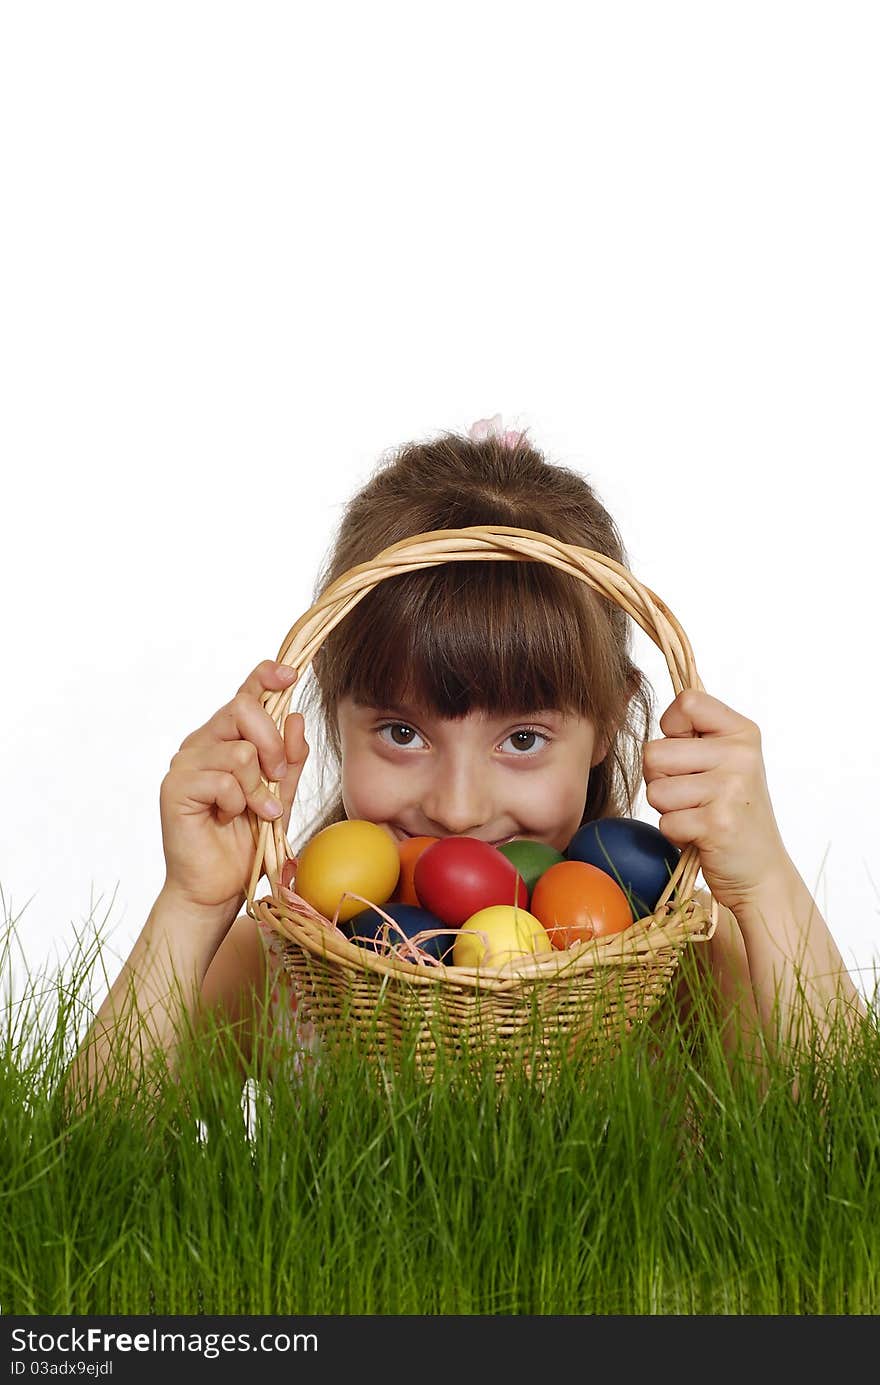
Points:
(399, 709)
(396, 707)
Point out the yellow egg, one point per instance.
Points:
(512, 932)
(352, 855)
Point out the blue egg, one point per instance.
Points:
(369, 924)
(632, 852)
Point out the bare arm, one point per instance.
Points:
(155, 997)
(726, 963)
(191, 956)
(708, 781)
(750, 963)
(795, 965)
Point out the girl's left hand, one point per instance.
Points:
(711, 790)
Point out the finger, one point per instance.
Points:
(683, 828)
(297, 752)
(245, 719)
(695, 713)
(267, 677)
(296, 748)
(675, 793)
(236, 760)
(681, 755)
(224, 792)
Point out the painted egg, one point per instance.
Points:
(457, 876)
(509, 933)
(353, 855)
(577, 902)
(531, 859)
(409, 851)
(369, 924)
(632, 852)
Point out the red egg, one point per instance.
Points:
(459, 876)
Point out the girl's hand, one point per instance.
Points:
(213, 779)
(711, 790)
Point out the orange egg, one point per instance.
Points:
(577, 902)
(410, 849)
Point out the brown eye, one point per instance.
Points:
(523, 740)
(397, 733)
(526, 741)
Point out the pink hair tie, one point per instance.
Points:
(492, 428)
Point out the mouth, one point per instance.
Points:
(403, 836)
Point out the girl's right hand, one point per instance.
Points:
(214, 779)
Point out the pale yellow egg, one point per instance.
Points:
(511, 932)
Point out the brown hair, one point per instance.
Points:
(495, 636)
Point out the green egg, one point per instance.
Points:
(531, 859)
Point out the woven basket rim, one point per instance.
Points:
(473, 543)
(642, 943)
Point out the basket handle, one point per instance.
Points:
(479, 543)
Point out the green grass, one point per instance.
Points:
(661, 1179)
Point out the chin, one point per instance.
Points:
(393, 833)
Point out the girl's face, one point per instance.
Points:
(490, 777)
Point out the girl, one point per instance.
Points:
(493, 700)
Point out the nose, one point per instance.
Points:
(457, 801)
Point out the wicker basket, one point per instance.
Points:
(587, 992)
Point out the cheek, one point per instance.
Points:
(553, 806)
(371, 790)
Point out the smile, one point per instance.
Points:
(403, 835)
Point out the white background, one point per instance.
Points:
(248, 248)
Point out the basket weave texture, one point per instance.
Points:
(586, 992)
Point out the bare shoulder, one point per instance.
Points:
(237, 969)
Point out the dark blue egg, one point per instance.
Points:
(632, 852)
(369, 924)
